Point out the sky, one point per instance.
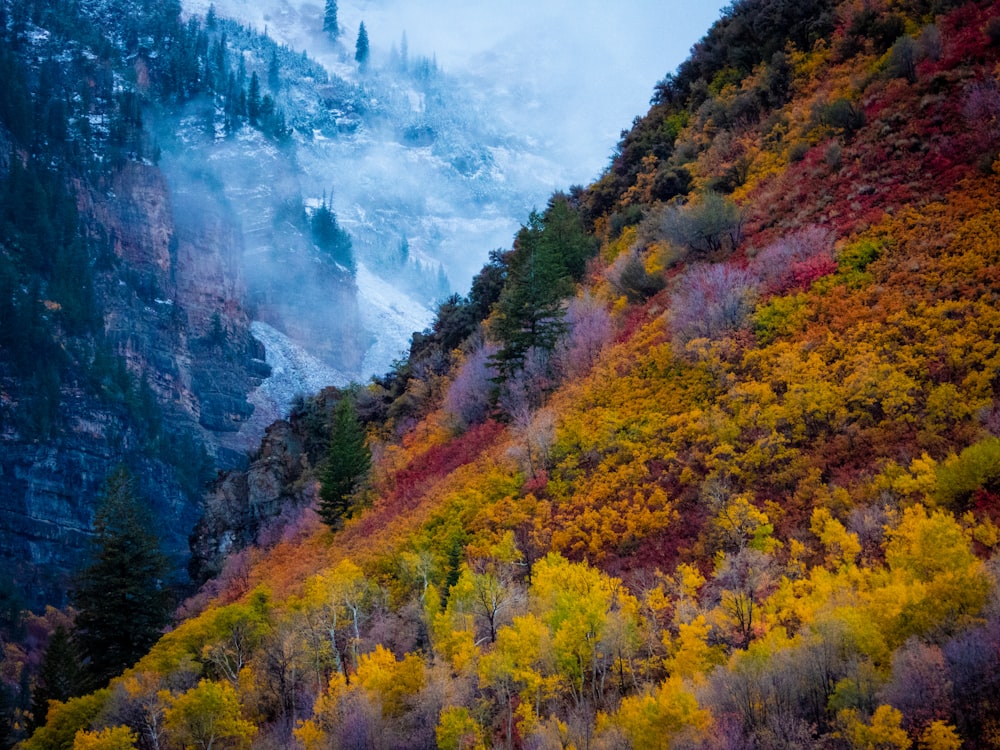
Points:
(569, 74)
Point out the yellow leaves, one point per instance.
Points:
(109, 738)
(651, 720)
(208, 713)
(64, 720)
(925, 546)
(842, 547)
(516, 665)
(454, 639)
(311, 736)
(882, 733)
(931, 560)
(691, 655)
(741, 525)
(939, 736)
(457, 730)
(388, 680)
(919, 482)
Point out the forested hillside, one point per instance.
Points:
(709, 458)
(166, 207)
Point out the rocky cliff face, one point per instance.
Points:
(175, 311)
(245, 506)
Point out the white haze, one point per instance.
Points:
(571, 74)
(550, 84)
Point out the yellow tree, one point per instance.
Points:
(652, 719)
(208, 716)
(109, 738)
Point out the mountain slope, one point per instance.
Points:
(161, 184)
(737, 487)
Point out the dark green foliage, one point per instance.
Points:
(843, 115)
(454, 323)
(487, 285)
(458, 319)
(274, 72)
(253, 99)
(330, 24)
(902, 62)
(348, 460)
(751, 32)
(330, 238)
(550, 254)
(709, 226)
(60, 677)
(632, 280)
(361, 49)
(122, 601)
(529, 312)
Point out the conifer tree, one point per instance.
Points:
(330, 237)
(361, 50)
(330, 23)
(253, 99)
(122, 601)
(60, 677)
(529, 312)
(274, 72)
(348, 460)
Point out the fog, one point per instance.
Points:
(569, 74)
(524, 99)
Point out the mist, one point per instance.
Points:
(440, 168)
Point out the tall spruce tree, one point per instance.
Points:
(361, 49)
(253, 99)
(121, 597)
(348, 460)
(330, 24)
(529, 313)
(60, 677)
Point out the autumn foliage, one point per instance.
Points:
(755, 501)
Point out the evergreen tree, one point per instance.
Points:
(330, 24)
(330, 237)
(529, 313)
(253, 99)
(348, 460)
(121, 598)
(274, 73)
(60, 677)
(361, 50)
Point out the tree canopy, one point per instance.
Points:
(121, 595)
(348, 460)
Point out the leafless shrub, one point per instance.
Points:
(468, 397)
(795, 258)
(589, 330)
(712, 300)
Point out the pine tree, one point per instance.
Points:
(274, 73)
(60, 677)
(122, 601)
(348, 460)
(361, 50)
(253, 99)
(330, 24)
(330, 237)
(530, 313)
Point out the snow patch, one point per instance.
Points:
(392, 316)
(294, 372)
